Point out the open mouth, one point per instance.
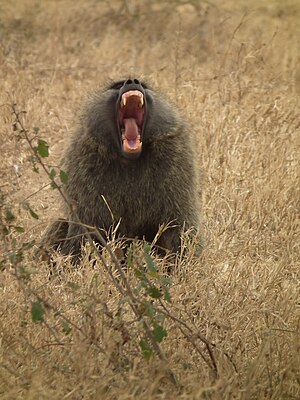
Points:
(131, 112)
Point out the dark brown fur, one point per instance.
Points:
(158, 187)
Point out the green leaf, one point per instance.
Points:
(159, 318)
(166, 281)
(138, 288)
(9, 216)
(4, 230)
(63, 177)
(37, 311)
(52, 173)
(19, 229)
(15, 257)
(24, 273)
(154, 292)
(149, 261)
(167, 295)
(66, 327)
(149, 310)
(42, 148)
(54, 185)
(186, 365)
(140, 275)
(147, 248)
(28, 245)
(2, 265)
(146, 350)
(73, 286)
(32, 213)
(27, 207)
(159, 333)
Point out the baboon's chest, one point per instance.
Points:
(135, 197)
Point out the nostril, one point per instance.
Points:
(128, 82)
(136, 81)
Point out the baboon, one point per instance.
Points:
(131, 160)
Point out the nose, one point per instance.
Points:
(132, 81)
(131, 84)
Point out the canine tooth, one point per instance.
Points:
(123, 101)
(141, 103)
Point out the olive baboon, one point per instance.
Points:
(130, 160)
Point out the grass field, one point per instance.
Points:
(233, 323)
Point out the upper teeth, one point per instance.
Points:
(132, 93)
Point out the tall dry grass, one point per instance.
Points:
(233, 69)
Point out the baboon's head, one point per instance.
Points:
(128, 116)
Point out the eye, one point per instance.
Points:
(116, 85)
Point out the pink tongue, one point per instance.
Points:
(131, 130)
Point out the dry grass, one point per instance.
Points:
(235, 73)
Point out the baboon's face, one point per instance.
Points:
(128, 116)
